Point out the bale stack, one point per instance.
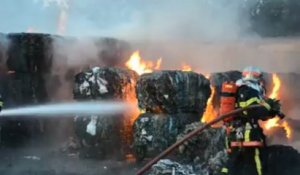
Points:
(28, 61)
(170, 100)
(100, 135)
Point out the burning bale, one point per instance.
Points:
(171, 99)
(203, 146)
(172, 92)
(99, 133)
(155, 132)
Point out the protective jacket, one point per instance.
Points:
(245, 138)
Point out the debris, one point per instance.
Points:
(168, 167)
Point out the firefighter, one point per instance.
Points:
(245, 140)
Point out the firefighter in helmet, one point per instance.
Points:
(245, 141)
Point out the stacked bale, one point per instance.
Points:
(171, 100)
(104, 134)
(28, 61)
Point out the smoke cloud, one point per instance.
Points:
(210, 35)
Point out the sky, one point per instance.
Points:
(192, 19)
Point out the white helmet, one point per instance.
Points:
(252, 73)
(252, 77)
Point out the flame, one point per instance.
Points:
(274, 122)
(140, 66)
(276, 88)
(210, 112)
(186, 68)
(287, 128)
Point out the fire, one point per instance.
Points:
(136, 63)
(210, 112)
(275, 121)
(186, 68)
(272, 123)
(276, 88)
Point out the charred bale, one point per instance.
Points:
(30, 53)
(97, 134)
(105, 83)
(155, 132)
(173, 92)
(202, 146)
(28, 62)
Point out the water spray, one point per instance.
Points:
(70, 109)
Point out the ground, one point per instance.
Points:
(48, 160)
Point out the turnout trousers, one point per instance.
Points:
(245, 161)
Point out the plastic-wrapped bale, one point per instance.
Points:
(153, 133)
(98, 133)
(105, 83)
(173, 92)
(202, 146)
(28, 59)
(29, 53)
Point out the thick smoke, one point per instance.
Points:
(210, 35)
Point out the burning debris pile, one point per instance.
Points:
(100, 135)
(171, 100)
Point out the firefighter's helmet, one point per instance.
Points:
(252, 73)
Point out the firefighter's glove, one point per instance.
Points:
(275, 106)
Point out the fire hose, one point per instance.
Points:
(190, 135)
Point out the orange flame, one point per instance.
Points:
(210, 112)
(186, 68)
(271, 123)
(276, 88)
(274, 122)
(140, 66)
